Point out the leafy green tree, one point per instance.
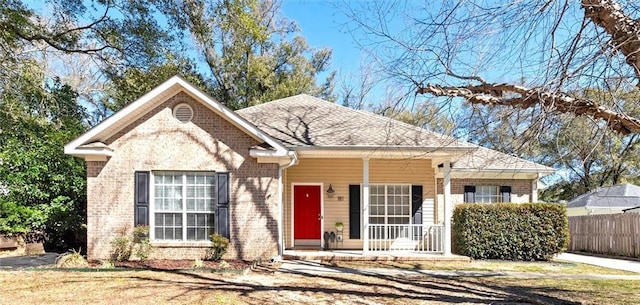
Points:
(114, 32)
(428, 116)
(247, 47)
(126, 87)
(42, 190)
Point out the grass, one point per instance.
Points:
(157, 287)
(554, 266)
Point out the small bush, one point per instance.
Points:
(107, 265)
(136, 244)
(140, 234)
(219, 248)
(141, 244)
(72, 259)
(509, 231)
(121, 249)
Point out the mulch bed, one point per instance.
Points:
(185, 264)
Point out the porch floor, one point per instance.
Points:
(356, 255)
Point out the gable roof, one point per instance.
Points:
(304, 121)
(91, 142)
(619, 196)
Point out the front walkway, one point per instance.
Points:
(613, 263)
(28, 261)
(356, 255)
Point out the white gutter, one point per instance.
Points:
(294, 161)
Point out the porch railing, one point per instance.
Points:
(405, 237)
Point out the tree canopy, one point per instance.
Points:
(67, 64)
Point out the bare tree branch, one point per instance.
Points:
(624, 30)
(493, 94)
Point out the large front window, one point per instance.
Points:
(183, 205)
(487, 194)
(389, 205)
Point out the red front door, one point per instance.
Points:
(306, 211)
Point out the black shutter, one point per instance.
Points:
(505, 193)
(416, 208)
(469, 193)
(416, 204)
(354, 211)
(222, 208)
(141, 194)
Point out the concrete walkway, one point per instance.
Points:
(23, 262)
(613, 263)
(315, 268)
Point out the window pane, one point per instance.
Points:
(159, 233)
(199, 226)
(180, 192)
(399, 220)
(159, 219)
(191, 234)
(191, 220)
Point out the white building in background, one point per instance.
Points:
(605, 200)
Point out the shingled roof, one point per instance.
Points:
(486, 159)
(306, 121)
(620, 196)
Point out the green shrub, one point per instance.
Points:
(219, 247)
(509, 231)
(136, 244)
(140, 234)
(121, 248)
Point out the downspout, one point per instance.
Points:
(294, 161)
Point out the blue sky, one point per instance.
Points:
(321, 23)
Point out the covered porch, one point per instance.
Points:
(387, 206)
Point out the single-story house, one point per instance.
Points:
(280, 175)
(605, 200)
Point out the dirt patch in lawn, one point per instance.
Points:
(185, 287)
(550, 267)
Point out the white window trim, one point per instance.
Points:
(152, 212)
(386, 201)
(498, 195)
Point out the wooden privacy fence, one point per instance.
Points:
(613, 234)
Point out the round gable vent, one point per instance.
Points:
(183, 113)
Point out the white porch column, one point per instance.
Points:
(534, 190)
(365, 205)
(448, 208)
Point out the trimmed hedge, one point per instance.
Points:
(510, 231)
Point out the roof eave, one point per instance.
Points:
(395, 152)
(173, 85)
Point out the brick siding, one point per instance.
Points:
(157, 141)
